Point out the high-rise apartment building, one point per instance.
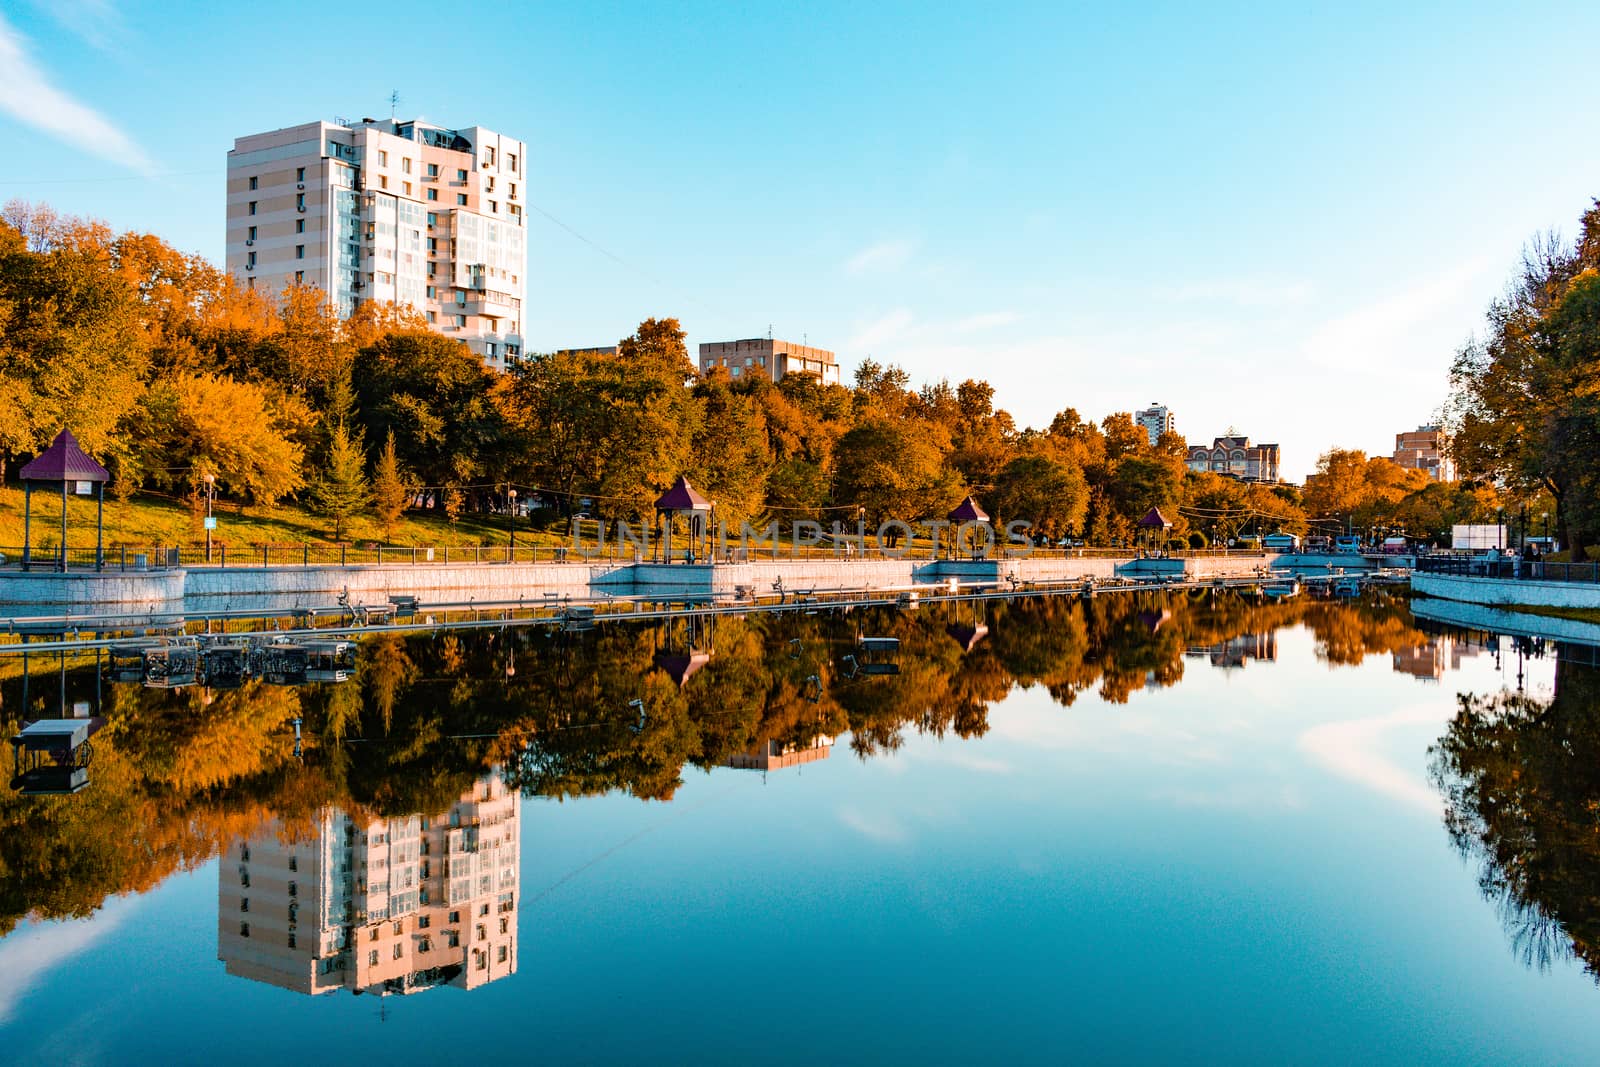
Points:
(1156, 420)
(388, 211)
(769, 358)
(394, 905)
(1424, 449)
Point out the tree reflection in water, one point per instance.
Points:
(178, 776)
(1521, 782)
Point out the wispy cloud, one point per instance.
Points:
(875, 826)
(97, 23)
(27, 95)
(881, 257)
(1241, 292)
(1387, 329)
(1352, 749)
(30, 952)
(885, 329)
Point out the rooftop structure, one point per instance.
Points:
(769, 358)
(388, 210)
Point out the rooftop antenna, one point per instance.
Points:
(769, 331)
(394, 102)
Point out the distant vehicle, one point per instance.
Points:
(1281, 542)
(1395, 546)
(1070, 542)
(1347, 543)
(1319, 543)
(1478, 537)
(1246, 541)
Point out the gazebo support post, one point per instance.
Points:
(27, 524)
(63, 526)
(100, 528)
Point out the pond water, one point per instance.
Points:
(1145, 828)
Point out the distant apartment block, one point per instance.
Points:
(1156, 420)
(1424, 449)
(770, 359)
(1234, 455)
(388, 211)
(395, 905)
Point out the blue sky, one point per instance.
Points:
(1281, 218)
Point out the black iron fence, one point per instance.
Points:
(1512, 568)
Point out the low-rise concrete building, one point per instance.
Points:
(769, 358)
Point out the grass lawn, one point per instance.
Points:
(1578, 614)
(148, 520)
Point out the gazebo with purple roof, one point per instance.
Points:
(968, 511)
(65, 462)
(1153, 527)
(683, 499)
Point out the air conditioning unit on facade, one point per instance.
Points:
(249, 240)
(300, 185)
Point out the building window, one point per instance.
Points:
(300, 174)
(291, 941)
(489, 350)
(461, 322)
(461, 298)
(433, 170)
(372, 958)
(399, 950)
(500, 955)
(490, 184)
(433, 246)
(253, 183)
(294, 890)
(249, 283)
(461, 199)
(432, 218)
(432, 318)
(300, 201)
(423, 922)
(249, 259)
(383, 158)
(433, 294)
(494, 208)
(433, 194)
(252, 207)
(244, 929)
(405, 164)
(511, 161)
(299, 251)
(244, 903)
(513, 190)
(488, 157)
(461, 175)
(299, 277)
(383, 181)
(299, 225)
(252, 234)
(399, 928)
(405, 187)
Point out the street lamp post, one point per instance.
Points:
(1544, 520)
(211, 489)
(861, 529)
(511, 495)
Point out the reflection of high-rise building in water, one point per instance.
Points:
(1233, 653)
(776, 755)
(1430, 661)
(390, 905)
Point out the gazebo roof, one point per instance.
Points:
(64, 461)
(681, 668)
(968, 511)
(682, 497)
(1154, 519)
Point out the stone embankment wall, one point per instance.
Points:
(1507, 591)
(282, 588)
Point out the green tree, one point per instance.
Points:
(1045, 491)
(390, 494)
(342, 489)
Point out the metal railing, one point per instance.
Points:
(1513, 569)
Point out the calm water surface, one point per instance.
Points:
(1139, 829)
